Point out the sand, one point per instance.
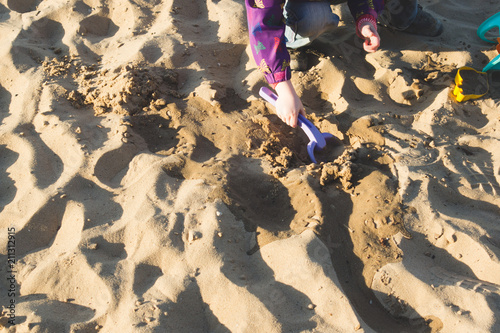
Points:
(145, 187)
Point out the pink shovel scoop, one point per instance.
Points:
(317, 140)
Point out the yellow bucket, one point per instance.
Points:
(459, 80)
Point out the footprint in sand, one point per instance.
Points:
(41, 161)
(68, 277)
(22, 6)
(257, 197)
(151, 52)
(82, 8)
(449, 278)
(94, 198)
(103, 255)
(189, 313)
(3, 10)
(476, 166)
(43, 30)
(176, 220)
(111, 166)
(204, 150)
(97, 26)
(8, 189)
(27, 50)
(156, 132)
(189, 9)
(145, 277)
(5, 100)
(42, 227)
(494, 238)
(491, 243)
(53, 315)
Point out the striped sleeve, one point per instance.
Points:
(365, 11)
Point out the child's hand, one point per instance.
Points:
(288, 105)
(372, 38)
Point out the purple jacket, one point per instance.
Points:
(266, 28)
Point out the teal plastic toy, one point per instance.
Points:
(489, 24)
(493, 64)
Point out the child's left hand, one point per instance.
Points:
(372, 38)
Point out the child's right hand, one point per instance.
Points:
(288, 105)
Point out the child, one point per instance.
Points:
(275, 25)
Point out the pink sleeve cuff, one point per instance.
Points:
(279, 76)
(362, 19)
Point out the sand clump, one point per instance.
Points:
(124, 90)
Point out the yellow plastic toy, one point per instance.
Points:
(484, 28)
(459, 91)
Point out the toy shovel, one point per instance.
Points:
(488, 25)
(317, 139)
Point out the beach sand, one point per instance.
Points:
(145, 186)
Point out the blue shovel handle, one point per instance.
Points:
(316, 138)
